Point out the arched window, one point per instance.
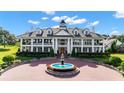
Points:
(49, 31)
(75, 31)
(86, 31)
(39, 32)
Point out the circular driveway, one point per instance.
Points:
(36, 71)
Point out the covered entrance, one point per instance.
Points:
(62, 50)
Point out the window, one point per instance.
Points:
(77, 42)
(86, 31)
(47, 41)
(47, 49)
(98, 42)
(87, 42)
(26, 41)
(39, 49)
(37, 41)
(39, 33)
(75, 32)
(34, 49)
(49, 31)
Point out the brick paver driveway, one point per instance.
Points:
(36, 71)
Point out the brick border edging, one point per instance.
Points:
(106, 65)
(28, 61)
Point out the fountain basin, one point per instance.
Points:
(67, 69)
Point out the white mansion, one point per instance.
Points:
(62, 39)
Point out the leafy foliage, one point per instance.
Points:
(115, 61)
(122, 66)
(73, 53)
(4, 65)
(114, 47)
(120, 38)
(8, 59)
(8, 38)
(52, 52)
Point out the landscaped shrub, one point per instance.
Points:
(52, 53)
(4, 65)
(122, 66)
(91, 55)
(8, 59)
(115, 61)
(109, 50)
(73, 53)
(33, 54)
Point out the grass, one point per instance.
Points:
(119, 55)
(8, 50)
(11, 50)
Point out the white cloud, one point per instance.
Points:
(94, 23)
(44, 18)
(33, 22)
(57, 26)
(119, 14)
(49, 12)
(59, 18)
(69, 20)
(78, 21)
(114, 32)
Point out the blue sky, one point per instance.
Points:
(104, 22)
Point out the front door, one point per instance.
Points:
(62, 50)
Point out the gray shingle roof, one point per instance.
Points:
(44, 33)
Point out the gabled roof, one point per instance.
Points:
(58, 32)
(61, 32)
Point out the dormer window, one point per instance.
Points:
(86, 31)
(49, 32)
(39, 32)
(75, 32)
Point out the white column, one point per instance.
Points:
(93, 45)
(53, 43)
(103, 50)
(82, 45)
(56, 45)
(71, 44)
(21, 45)
(31, 45)
(36, 49)
(42, 45)
(68, 46)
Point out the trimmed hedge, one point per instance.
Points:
(34, 54)
(89, 55)
(4, 65)
(122, 66)
(8, 59)
(115, 61)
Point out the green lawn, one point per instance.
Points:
(11, 50)
(8, 50)
(119, 55)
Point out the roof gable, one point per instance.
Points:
(63, 33)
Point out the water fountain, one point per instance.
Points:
(62, 68)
